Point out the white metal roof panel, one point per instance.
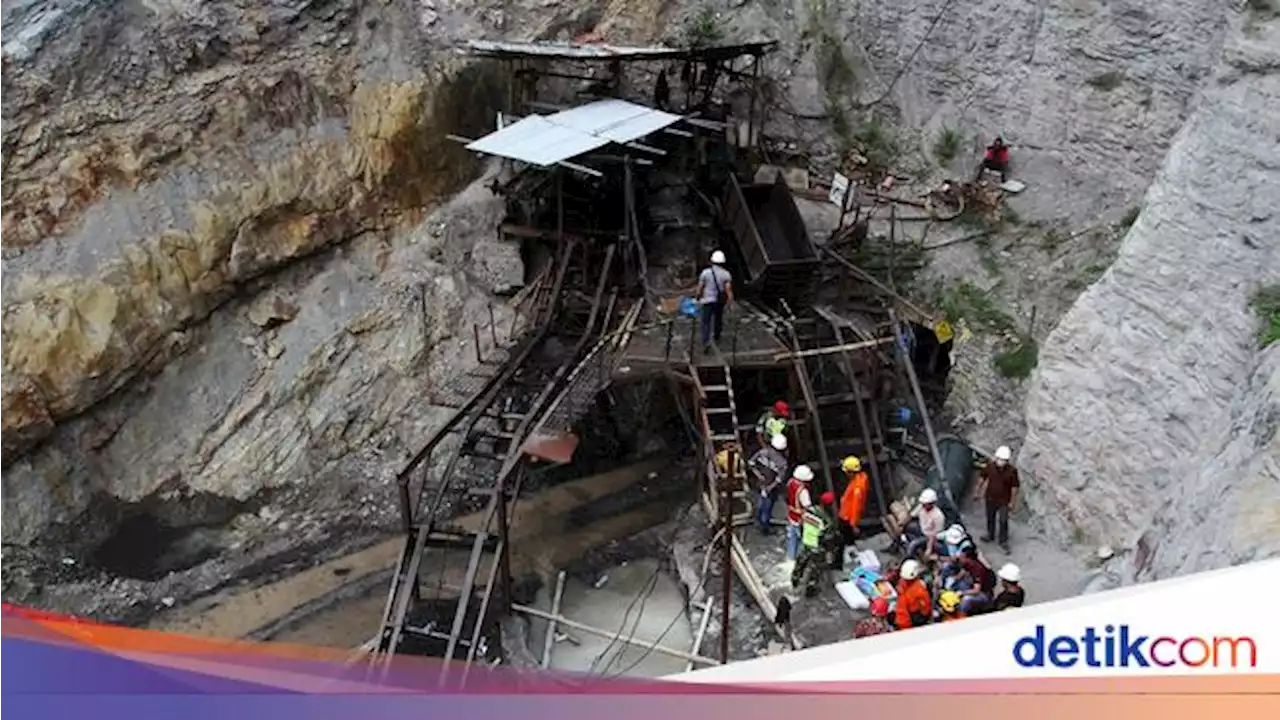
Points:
(537, 141)
(615, 120)
(570, 50)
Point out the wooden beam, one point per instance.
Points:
(610, 634)
(860, 345)
(702, 630)
(550, 640)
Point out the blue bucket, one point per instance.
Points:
(688, 308)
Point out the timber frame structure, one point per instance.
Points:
(518, 407)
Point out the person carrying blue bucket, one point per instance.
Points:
(715, 290)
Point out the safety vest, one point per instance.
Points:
(812, 529)
(722, 462)
(771, 425)
(795, 513)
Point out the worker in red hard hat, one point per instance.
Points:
(772, 422)
(878, 623)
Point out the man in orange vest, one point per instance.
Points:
(915, 604)
(797, 502)
(854, 499)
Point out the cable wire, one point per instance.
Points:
(706, 566)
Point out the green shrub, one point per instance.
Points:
(1266, 302)
(947, 145)
(703, 29)
(1130, 217)
(1018, 362)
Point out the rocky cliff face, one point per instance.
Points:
(1153, 410)
(226, 289)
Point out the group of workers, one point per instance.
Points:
(943, 576)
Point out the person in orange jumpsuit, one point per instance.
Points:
(915, 604)
(854, 499)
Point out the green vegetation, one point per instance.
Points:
(1130, 217)
(1052, 239)
(1107, 81)
(1018, 362)
(965, 301)
(1262, 9)
(703, 29)
(947, 145)
(1266, 302)
(987, 256)
(877, 143)
(1088, 275)
(1009, 216)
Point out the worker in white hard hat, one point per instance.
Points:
(914, 603)
(714, 292)
(998, 486)
(797, 502)
(768, 468)
(932, 522)
(1011, 594)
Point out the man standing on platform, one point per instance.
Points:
(715, 290)
(998, 484)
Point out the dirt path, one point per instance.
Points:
(542, 533)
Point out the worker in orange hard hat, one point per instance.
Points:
(854, 499)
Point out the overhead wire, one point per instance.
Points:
(702, 578)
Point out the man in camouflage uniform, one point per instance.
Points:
(820, 540)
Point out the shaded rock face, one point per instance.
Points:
(1153, 414)
(222, 271)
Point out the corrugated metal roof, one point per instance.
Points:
(536, 141)
(548, 139)
(601, 51)
(616, 120)
(568, 50)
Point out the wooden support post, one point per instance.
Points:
(475, 331)
(909, 367)
(493, 328)
(702, 631)
(549, 642)
(726, 515)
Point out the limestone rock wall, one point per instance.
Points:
(1153, 413)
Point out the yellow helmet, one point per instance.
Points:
(949, 601)
(851, 464)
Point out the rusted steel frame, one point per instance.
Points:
(500, 564)
(515, 455)
(909, 367)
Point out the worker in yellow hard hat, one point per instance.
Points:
(949, 606)
(854, 499)
(722, 460)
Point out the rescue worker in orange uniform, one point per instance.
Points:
(915, 605)
(854, 499)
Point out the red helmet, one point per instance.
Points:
(880, 607)
(782, 408)
(828, 497)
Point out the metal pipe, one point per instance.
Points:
(702, 631)
(610, 633)
(550, 640)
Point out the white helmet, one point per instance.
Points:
(1003, 453)
(803, 473)
(779, 442)
(910, 570)
(1106, 553)
(954, 535)
(928, 497)
(1009, 573)
(717, 258)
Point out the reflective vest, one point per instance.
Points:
(813, 527)
(795, 513)
(770, 425)
(722, 462)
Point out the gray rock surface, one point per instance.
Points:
(1153, 410)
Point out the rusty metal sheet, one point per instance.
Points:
(556, 447)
